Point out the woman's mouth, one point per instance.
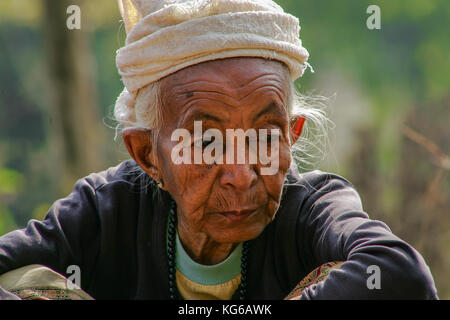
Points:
(238, 215)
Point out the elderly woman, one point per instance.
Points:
(211, 206)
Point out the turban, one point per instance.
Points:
(164, 36)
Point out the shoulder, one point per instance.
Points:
(100, 190)
(316, 179)
(111, 190)
(313, 187)
(126, 173)
(315, 202)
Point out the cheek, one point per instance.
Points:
(285, 160)
(274, 187)
(274, 183)
(191, 182)
(189, 185)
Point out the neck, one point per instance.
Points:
(201, 248)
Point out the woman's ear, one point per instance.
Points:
(141, 148)
(297, 124)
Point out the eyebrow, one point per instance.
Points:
(205, 116)
(201, 115)
(270, 108)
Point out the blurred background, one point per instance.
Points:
(388, 97)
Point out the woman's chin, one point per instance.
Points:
(235, 232)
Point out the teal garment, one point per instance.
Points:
(203, 274)
(208, 275)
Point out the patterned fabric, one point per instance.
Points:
(38, 282)
(54, 291)
(49, 294)
(317, 275)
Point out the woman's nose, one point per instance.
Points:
(238, 176)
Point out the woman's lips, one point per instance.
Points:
(237, 215)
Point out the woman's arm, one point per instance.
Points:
(67, 236)
(335, 228)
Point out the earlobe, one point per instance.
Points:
(140, 147)
(297, 124)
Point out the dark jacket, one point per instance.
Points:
(114, 228)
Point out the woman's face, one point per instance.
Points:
(230, 202)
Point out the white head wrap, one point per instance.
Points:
(164, 36)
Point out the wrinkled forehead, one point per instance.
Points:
(236, 76)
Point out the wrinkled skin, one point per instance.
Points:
(219, 205)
